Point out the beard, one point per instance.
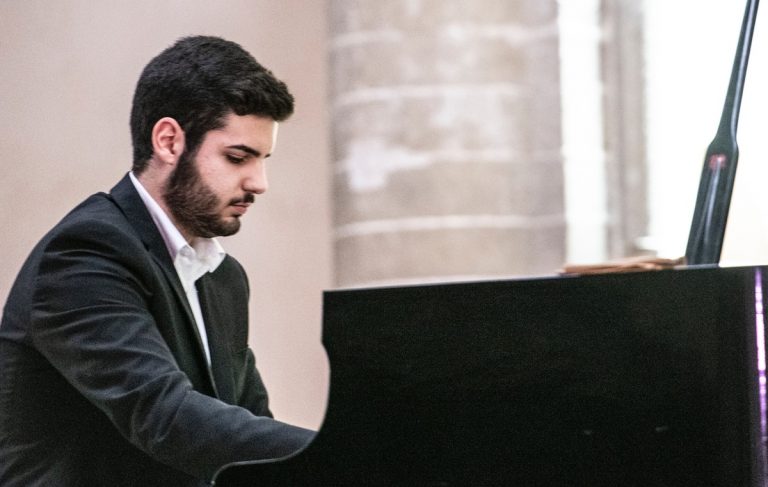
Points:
(194, 205)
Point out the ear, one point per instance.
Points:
(167, 140)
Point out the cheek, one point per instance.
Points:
(219, 176)
(224, 184)
(213, 174)
(206, 168)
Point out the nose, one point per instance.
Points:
(256, 179)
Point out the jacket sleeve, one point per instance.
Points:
(90, 318)
(252, 393)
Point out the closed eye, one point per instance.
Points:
(235, 159)
(248, 150)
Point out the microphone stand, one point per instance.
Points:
(705, 240)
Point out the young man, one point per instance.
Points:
(123, 345)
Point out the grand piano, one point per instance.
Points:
(622, 379)
(647, 379)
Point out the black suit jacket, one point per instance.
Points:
(103, 378)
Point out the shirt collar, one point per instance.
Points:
(190, 261)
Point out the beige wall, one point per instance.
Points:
(67, 72)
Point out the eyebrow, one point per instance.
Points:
(247, 149)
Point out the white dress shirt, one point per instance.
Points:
(191, 262)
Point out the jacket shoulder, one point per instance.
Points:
(97, 220)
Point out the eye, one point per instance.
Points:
(235, 159)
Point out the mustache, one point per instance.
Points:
(247, 198)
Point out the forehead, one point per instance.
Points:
(251, 130)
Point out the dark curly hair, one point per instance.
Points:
(199, 81)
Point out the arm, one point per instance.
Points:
(91, 320)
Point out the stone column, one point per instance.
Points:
(624, 123)
(446, 140)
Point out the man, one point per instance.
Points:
(123, 344)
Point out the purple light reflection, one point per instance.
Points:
(760, 336)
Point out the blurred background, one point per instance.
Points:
(433, 140)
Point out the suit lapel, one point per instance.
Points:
(126, 197)
(215, 316)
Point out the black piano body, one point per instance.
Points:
(641, 379)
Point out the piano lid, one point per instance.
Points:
(705, 240)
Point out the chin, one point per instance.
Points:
(229, 228)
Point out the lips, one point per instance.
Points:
(240, 208)
(240, 205)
